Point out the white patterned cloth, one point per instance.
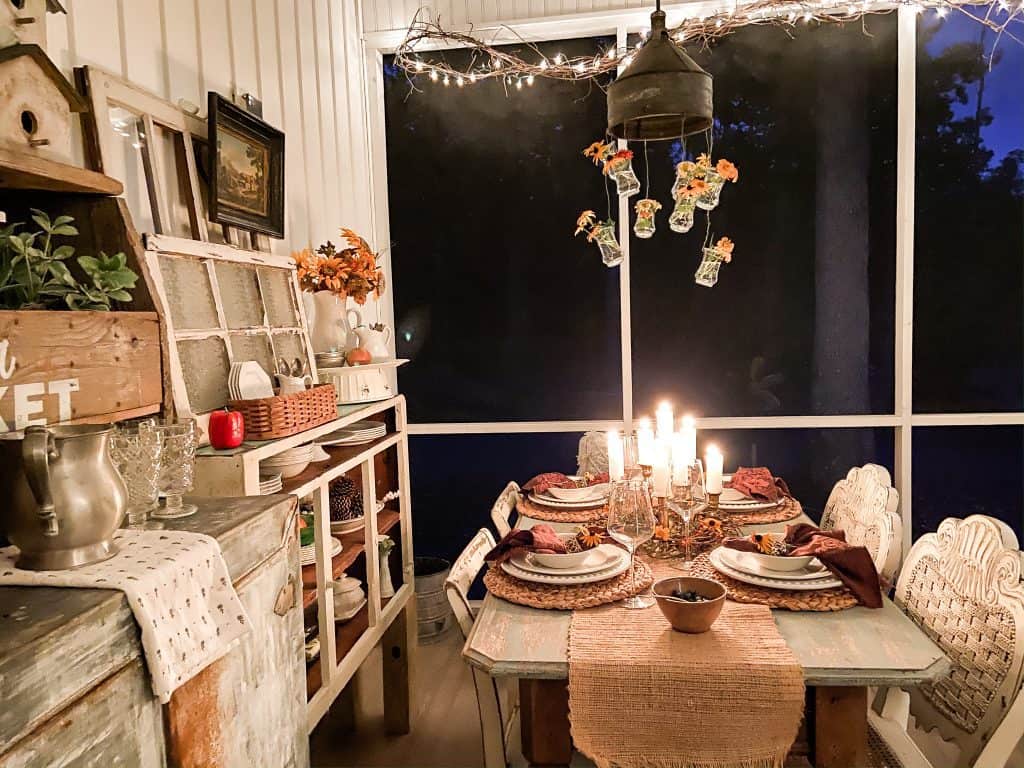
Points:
(178, 587)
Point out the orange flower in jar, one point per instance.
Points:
(727, 170)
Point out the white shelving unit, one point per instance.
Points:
(344, 647)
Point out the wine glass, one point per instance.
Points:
(687, 498)
(630, 463)
(631, 523)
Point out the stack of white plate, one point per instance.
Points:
(307, 554)
(604, 562)
(270, 483)
(749, 568)
(248, 381)
(359, 433)
(288, 463)
(576, 498)
(734, 500)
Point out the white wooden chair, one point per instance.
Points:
(962, 586)
(864, 504)
(501, 512)
(497, 702)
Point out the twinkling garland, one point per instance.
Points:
(495, 62)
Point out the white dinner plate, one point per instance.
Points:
(614, 569)
(347, 526)
(550, 501)
(739, 561)
(750, 505)
(307, 554)
(599, 558)
(791, 585)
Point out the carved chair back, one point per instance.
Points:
(864, 505)
(962, 586)
(494, 727)
(501, 512)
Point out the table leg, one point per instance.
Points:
(837, 720)
(544, 721)
(395, 646)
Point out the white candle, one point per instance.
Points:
(689, 438)
(616, 456)
(664, 420)
(645, 443)
(660, 477)
(680, 465)
(713, 468)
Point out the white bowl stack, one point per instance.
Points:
(288, 463)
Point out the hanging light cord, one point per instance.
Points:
(647, 173)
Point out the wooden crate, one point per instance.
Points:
(77, 367)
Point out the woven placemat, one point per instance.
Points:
(788, 510)
(567, 598)
(837, 599)
(550, 515)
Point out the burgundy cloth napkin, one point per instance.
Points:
(759, 483)
(541, 538)
(851, 565)
(542, 482)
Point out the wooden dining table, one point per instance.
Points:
(842, 654)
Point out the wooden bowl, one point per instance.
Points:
(692, 618)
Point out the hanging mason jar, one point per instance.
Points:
(686, 172)
(708, 199)
(681, 219)
(645, 209)
(604, 235)
(714, 256)
(620, 168)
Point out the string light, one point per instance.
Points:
(700, 29)
(519, 85)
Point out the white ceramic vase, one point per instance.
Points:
(331, 329)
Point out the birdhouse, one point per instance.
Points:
(36, 103)
(24, 21)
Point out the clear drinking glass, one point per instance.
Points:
(630, 456)
(631, 522)
(688, 497)
(135, 449)
(177, 467)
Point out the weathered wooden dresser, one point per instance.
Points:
(74, 690)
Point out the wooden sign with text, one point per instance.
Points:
(77, 367)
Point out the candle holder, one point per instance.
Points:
(713, 500)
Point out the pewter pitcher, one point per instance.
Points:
(63, 497)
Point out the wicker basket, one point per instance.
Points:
(270, 418)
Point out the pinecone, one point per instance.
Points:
(346, 500)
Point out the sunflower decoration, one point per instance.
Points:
(662, 532)
(769, 543)
(615, 161)
(590, 536)
(598, 151)
(725, 247)
(711, 526)
(695, 188)
(703, 162)
(587, 222)
(353, 271)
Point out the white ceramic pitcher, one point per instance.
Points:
(375, 342)
(331, 328)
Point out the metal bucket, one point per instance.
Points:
(433, 613)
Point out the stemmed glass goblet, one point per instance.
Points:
(631, 522)
(687, 498)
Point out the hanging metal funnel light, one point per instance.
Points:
(662, 94)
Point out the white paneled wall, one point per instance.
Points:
(381, 15)
(301, 58)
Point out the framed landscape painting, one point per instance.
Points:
(246, 169)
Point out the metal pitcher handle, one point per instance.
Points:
(37, 449)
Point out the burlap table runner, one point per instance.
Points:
(644, 696)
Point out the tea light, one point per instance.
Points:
(664, 420)
(713, 466)
(616, 456)
(645, 443)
